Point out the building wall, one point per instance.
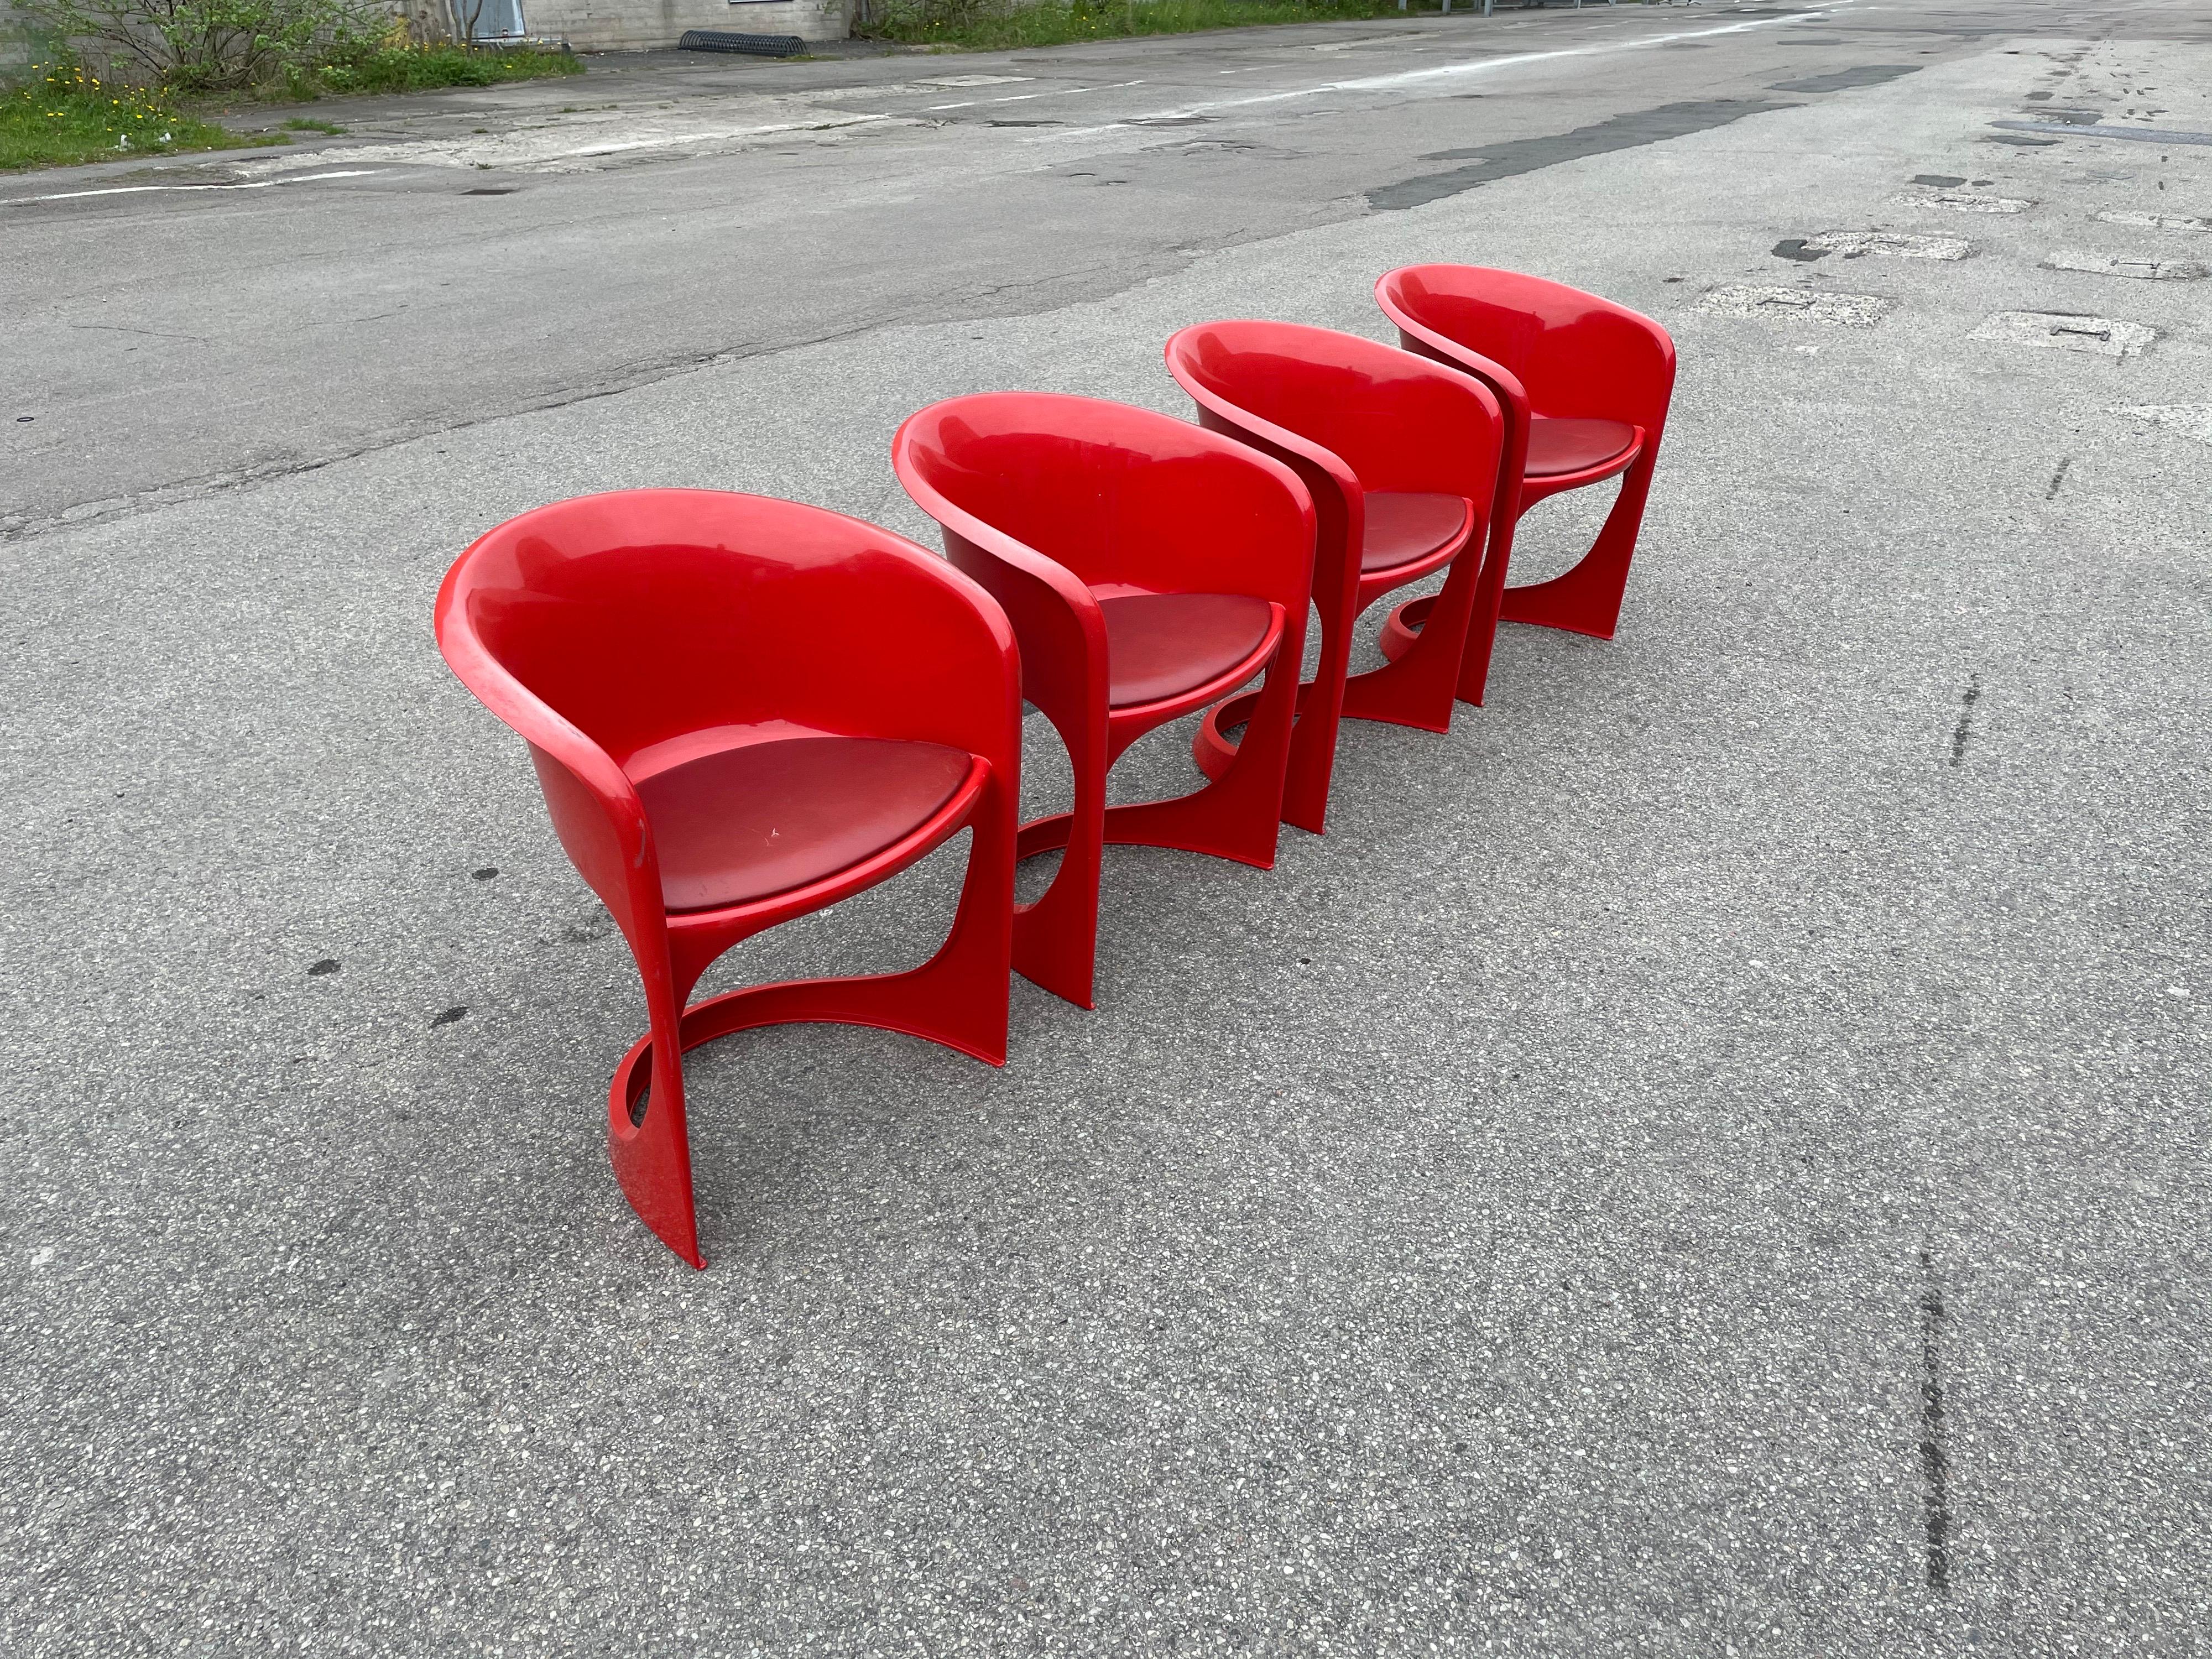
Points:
(616, 25)
(15, 47)
(598, 25)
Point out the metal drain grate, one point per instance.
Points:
(749, 46)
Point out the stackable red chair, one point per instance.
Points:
(1147, 567)
(1585, 383)
(742, 710)
(1402, 459)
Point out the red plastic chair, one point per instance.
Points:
(1148, 568)
(742, 710)
(1585, 383)
(1402, 459)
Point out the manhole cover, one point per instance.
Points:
(2106, 264)
(2065, 331)
(1838, 310)
(1959, 201)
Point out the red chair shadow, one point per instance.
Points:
(1401, 459)
(1148, 568)
(1585, 384)
(741, 711)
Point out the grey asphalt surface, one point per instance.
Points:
(1709, 1158)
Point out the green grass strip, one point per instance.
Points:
(981, 26)
(66, 116)
(417, 69)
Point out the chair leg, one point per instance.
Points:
(1239, 815)
(1321, 711)
(1587, 598)
(958, 997)
(1419, 687)
(653, 1157)
(1405, 626)
(1056, 937)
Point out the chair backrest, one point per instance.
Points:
(1395, 421)
(1116, 496)
(1576, 354)
(642, 615)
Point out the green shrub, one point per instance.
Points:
(412, 68)
(209, 44)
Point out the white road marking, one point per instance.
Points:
(1017, 97)
(136, 189)
(1442, 72)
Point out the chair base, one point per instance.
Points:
(652, 1159)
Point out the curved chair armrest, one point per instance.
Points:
(1057, 625)
(1418, 337)
(595, 808)
(1238, 520)
(1311, 462)
(1613, 364)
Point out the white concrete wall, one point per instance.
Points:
(607, 25)
(612, 25)
(14, 49)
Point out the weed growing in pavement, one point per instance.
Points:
(64, 115)
(413, 68)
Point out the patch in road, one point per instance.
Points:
(1866, 74)
(2107, 264)
(2153, 221)
(2190, 420)
(1857, 244)
(1798, 304)
(1957, 200)
(1510, 157)
(2067, 331)
(2141, 134)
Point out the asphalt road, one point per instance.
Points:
(1711, 1157)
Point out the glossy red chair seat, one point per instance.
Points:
(1166, 645)
(1560, 446)
(1148, 568)
(743, 711)
(1401, 458)
(1406, 527)
(763, 817)
(1585, 384)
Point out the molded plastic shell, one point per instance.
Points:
(742, 711)
(1585, 384)
(1401, 458)
(1148, 568)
